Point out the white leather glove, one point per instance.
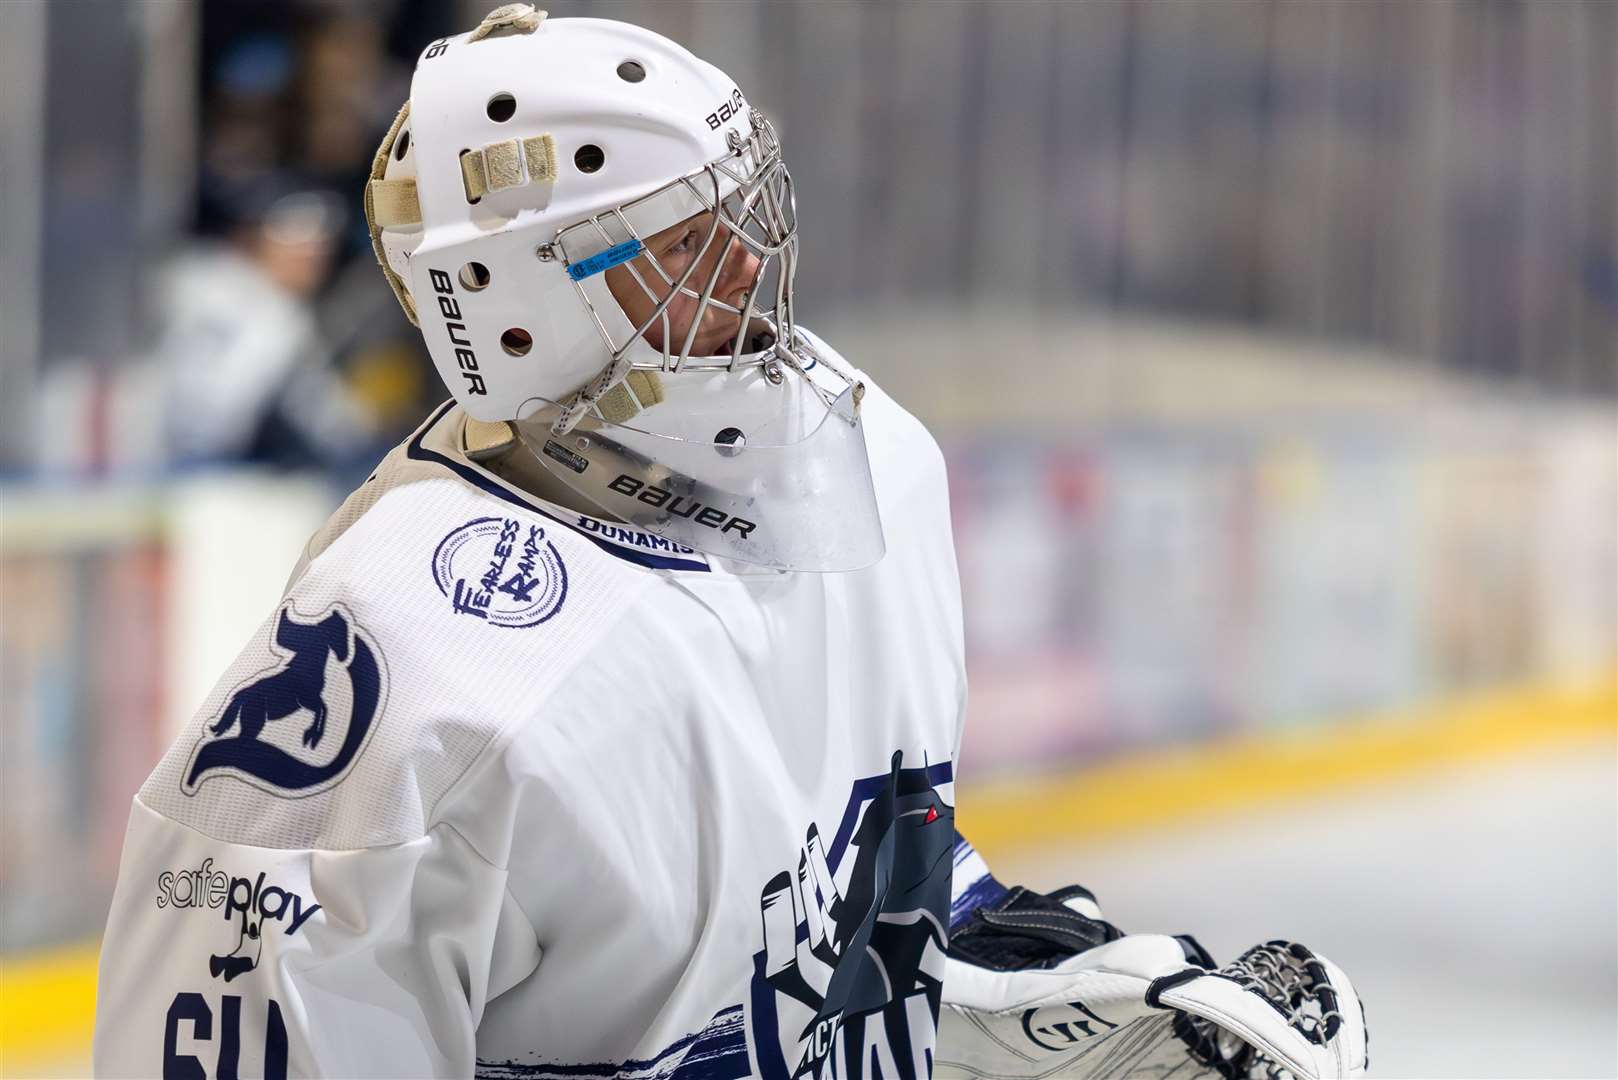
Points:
(1138, 1005)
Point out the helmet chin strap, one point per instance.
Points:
(622, 391)
(610, 378)
(640, 390)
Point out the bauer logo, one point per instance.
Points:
(296, 727)
(730, 108)
(502, 571)
(455, 327)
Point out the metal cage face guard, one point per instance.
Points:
(771, 499)
(749, 202)
(750, 199)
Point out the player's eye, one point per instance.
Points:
(683, 244)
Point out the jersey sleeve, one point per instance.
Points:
(228, 960)
(314, 878)
(971, 884)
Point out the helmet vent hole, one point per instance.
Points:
(402, 146)
(475, 276)
(631, 71)
(501, 107)
(517, 341)
(589, 158)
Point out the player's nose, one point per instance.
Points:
(740, 270)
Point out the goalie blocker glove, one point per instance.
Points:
(1041, 986)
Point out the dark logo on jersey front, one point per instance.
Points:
(849, 981)
(296, 727)
(501, 570)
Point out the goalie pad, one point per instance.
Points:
(1040, 986)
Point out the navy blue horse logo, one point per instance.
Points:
(298, 687)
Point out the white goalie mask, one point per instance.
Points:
(535, 159)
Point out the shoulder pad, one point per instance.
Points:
(433, 623)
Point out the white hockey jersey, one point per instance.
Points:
(506, 790)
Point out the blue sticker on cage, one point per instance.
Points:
(605, 260)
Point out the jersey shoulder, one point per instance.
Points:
(428, 617)
(906, 462)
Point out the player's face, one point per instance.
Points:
(676, 248)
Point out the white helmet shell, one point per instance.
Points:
(534, 156)
(564, 121)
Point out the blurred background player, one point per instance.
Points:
(246, 369)
(1335, 289)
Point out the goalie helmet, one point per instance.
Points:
(536, 155)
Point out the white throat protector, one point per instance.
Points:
(782, 478)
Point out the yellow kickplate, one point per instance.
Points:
(1162, 787)
(47, 1007)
